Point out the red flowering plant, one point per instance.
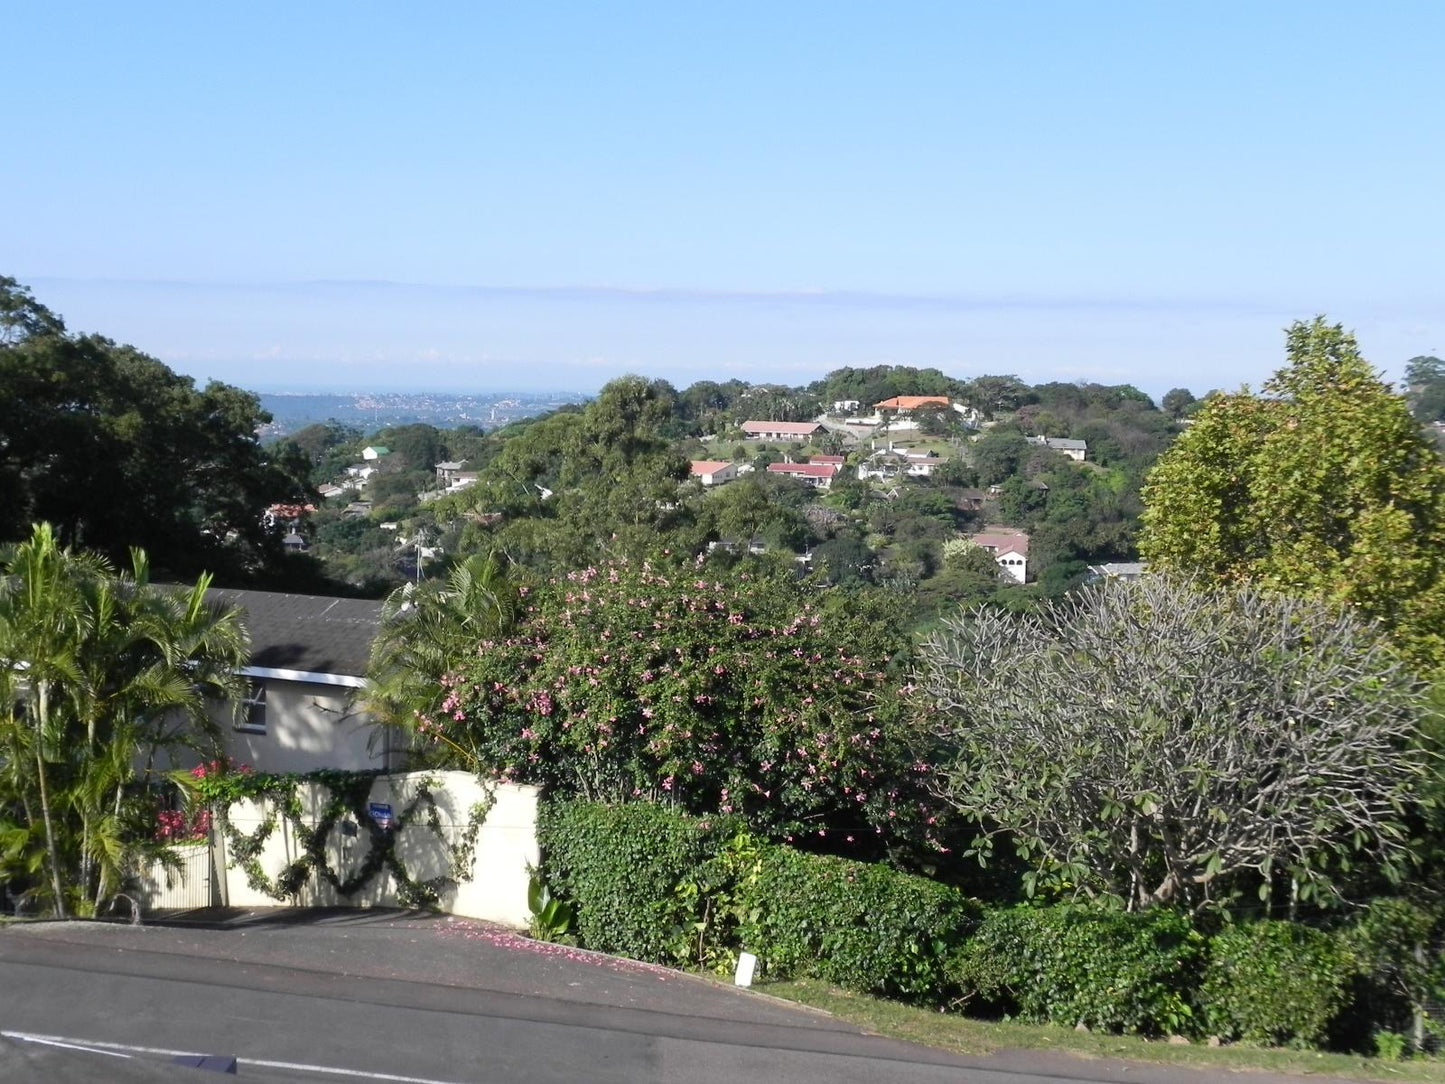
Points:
(756, 694)
(180, 826)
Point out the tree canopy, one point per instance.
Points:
(1322, 486)
(1156, 743)
(117, 450)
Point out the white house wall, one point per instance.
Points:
(506, 848)
(308, 726)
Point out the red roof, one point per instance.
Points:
(804, 470)
(709, 466)
(1003, 540)
(911, 402)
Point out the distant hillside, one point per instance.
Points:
(371, 411)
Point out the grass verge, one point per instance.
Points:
(964, 1035)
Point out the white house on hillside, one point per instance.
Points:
(798, 431)
(1010, 550)
(1076, 450)
(713, 472)
(818, 475)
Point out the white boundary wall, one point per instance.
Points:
(506, 846)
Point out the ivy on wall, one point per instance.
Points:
(220, 786)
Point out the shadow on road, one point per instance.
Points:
(230, 918)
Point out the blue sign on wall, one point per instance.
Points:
(381, 814)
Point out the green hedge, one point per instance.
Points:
(1275, 982)
(654, 884)
(1066, 965)
(863, 926)
(621, 867)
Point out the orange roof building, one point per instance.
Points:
(911, 402)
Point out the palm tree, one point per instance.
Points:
(43, 624)
(428, 629)
(96, 668)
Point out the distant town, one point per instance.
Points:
(373, 410)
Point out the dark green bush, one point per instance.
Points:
(863, 926)
(1275, 982)
(621, 867)
(1110, 970)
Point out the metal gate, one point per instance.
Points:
(188, 888)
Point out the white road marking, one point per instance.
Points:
(122, 1050)
(66, 1046)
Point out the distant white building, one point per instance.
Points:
(818, 475)
(374, 451)
(798, 431)
(713, 472)
(1010, 550)
(1076, 450)
(845, 406)
(922, 464)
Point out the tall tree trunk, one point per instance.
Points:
(100, 882)
(44, 697)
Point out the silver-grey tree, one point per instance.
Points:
(1158, 743)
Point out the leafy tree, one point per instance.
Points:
(991, 395)
(1424, 369)
(998, 454)
(97, 672)
(1324, 487)
(1177, 402)
(22, 317)
(1156, 743)
(116, 450)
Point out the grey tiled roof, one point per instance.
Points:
(315, 633)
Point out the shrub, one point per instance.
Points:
(1066, 965)
(1275, 982)
(755, 696)
(621, 867)
(863, 926)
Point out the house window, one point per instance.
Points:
(253, 709)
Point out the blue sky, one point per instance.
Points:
(341, 196)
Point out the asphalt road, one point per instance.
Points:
(367, 996)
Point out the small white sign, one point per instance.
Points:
(747, 964)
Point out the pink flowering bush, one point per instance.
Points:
(178, 826)
(740, 694)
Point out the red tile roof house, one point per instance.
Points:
(819, 475)
(1010, 550)
(904, 404)
(713, 472)
(798, 431)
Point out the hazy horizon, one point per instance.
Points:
(323, 195)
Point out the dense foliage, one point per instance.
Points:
(755, 695)
(1324, 486)
(116, 451)
(1068, 965)
(863, 926)
(1156, 743)
(99, 671)
(1275, 982)
(622, 865)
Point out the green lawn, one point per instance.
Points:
(961, 1034)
